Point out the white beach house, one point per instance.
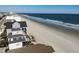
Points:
(16, 33)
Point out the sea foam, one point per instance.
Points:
(54, 22)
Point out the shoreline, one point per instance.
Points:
(60, 40)
(60, 25)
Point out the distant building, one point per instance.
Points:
(12, 18)
(16, 33)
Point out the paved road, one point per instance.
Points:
(1, 24)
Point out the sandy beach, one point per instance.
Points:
(61, 40)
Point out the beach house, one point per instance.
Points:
(16, 34)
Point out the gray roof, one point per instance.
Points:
(16, 29)
(17, 39)
(9, 24)
(11, 36)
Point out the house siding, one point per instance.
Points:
(15, 45)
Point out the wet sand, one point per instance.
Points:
(60, 40)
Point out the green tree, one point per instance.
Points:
(3, 36)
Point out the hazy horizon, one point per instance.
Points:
(67, 9)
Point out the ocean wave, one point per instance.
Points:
(55, 22)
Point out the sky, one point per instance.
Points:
(40, 8)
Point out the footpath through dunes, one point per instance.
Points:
(60, 40)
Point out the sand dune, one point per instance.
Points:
(60, 40)
(33, 48)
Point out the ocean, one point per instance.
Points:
(66, 20)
